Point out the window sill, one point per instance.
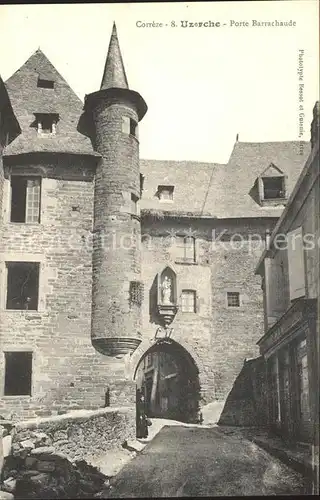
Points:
(24, 397)
(273, 201)
(39, 224)
(26, 312)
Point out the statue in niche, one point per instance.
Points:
(166, 290)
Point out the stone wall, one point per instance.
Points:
(67, 372)
(69, 456)
(218, 337)
(246, 403)
(82, 434)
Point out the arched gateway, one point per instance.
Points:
(168, 378)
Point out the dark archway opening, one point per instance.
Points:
(168, 379)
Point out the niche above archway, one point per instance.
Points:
(167, 295)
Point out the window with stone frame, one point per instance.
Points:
(185, 249)
(165, 193)
(130, 126)
(188, 301)
(233, 299)
(22, 285)
(18, 373)
(25, 199)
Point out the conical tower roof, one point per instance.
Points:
(114, 75)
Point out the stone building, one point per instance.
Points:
(106, 258)
(290, 272)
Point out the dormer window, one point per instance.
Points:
(165, 193)
(273, 188)
(47, 123)
(44, 83)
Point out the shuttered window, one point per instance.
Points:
(297, 286)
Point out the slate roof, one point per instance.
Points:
(6, 110)
(114, 74)
(201, 189)
(27, 99)
(224, 191)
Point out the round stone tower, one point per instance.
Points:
(114, 112)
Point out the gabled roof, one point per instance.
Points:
(27, 99)
(224, 191)
(271, 170)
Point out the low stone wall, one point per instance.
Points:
(82, 434)
(56, 457)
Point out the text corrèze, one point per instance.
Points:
(254, 23)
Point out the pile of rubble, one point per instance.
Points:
(35, 469)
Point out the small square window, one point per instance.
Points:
(273, 188)
(45, 84)
(22, 285)
(233, 299)
(165, 193)
(18, 373)
(188, 301)
(46, 123)
(25, 199)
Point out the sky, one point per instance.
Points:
(203, 85)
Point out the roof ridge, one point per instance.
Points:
(291, 141)
(209, 163)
